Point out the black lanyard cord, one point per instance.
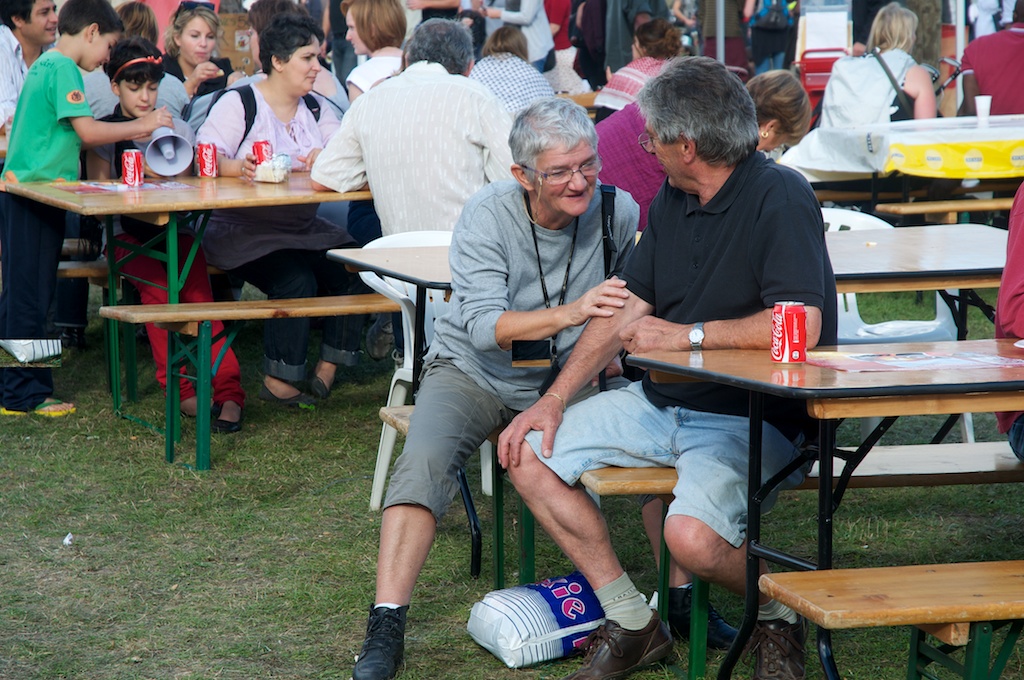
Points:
(540, 270)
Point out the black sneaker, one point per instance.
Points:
(720, 633)
(779, 649)
(384, 647)
(73, 337)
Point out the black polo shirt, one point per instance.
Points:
(759, 241)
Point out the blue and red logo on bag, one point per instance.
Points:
(572, 601)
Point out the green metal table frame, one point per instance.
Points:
(180, 352)
(977, 652)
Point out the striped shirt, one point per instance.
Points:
(12, 72)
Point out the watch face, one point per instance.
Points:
(696, 336)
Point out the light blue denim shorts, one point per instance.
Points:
(709, 451)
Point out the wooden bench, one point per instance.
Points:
(958, 604)
(193, 320)
(945, 212)
(96, 271)
(884, 466)
(93, 270)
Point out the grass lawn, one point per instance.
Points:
(264, 566)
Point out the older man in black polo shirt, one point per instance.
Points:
(729, 235)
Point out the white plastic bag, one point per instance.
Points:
(27, 351)
(526, 625)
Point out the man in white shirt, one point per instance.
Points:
(424, 140)
(29, 27)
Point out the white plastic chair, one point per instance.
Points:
(405, 295)
(854, 330)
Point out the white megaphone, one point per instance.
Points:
(168, 154)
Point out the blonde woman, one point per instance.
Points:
(189, 50)
(859, 92)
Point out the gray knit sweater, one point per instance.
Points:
(494, 270)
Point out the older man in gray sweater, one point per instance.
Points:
(528, 266)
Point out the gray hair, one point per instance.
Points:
(698, 99)
(547, 124)
(443, 42)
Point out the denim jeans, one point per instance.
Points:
(286, 274)
(710, 451)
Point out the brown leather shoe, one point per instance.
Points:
(779, 649)
(614, 652)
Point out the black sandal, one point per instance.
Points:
(221, 426)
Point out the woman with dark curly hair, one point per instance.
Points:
(283, 251)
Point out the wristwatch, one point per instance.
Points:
(696, 336)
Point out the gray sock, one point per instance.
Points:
(776, 610)
(623, 604)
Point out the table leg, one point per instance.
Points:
(110, 325)
(498, 503)
(204, 381)
(698, 661)
(417, 345)
(172, 408)
(527, 541)
(826, 510)
(753, 538)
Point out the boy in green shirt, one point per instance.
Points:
(52, 124)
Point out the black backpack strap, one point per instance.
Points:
(607, 219)
(248, 106)
(904, 100)
(313, 105)
(608, 242)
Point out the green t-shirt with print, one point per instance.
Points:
(43, 146)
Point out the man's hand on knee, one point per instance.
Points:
(545, 416)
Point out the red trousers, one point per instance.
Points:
(227, 382)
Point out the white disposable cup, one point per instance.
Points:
(982, 107)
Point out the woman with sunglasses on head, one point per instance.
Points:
(283, 251)
(189, 50)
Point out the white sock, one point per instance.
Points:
(387, 605)
(623, 604)
(776, 610)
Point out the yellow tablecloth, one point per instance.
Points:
(955, 148)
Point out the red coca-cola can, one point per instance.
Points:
(789, 333)
(131, 168)
(262, 151)
(206, 160)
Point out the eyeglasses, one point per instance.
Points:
(557, 178)
(645, 142)
(189, 5)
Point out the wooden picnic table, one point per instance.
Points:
(831, 395)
